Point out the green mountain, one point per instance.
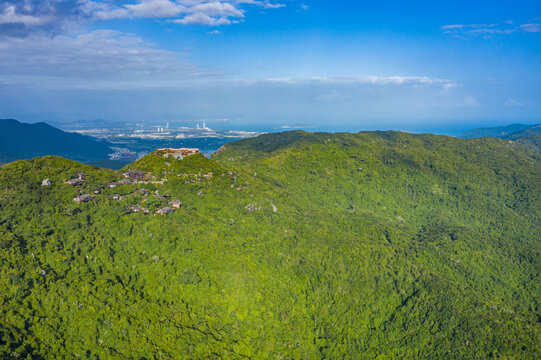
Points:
(22, 141)
(532, 141)
(503, 132)
(527, 135)
(286, 246)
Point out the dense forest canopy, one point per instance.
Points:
(527, 135)
(293, 245)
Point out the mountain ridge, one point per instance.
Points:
(21, 141)
(294, 245)
(506, 131)
(526, 135)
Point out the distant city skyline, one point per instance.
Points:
(273, 64)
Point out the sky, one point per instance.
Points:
(422, 66)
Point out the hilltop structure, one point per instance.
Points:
(178, 153)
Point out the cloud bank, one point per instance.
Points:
(22, 18)
(89, 60)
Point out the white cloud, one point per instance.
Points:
(155, 9)
(18, 18)
(49, 47)
(266, 4)
(273, 6)
(202, 19)
(304, 7)
(478, 29)
(10, 16)
(89, 59)
(217, 9)
(505, 28)
(470, 101)
(97, 11)
(111, 59)
(513, 102)
(531, 28)
(413, 81)
(454, 26)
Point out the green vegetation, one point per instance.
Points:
(532, 141)
(507, 131)
(527, 135)
(297, 246)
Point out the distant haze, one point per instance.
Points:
(272, 64)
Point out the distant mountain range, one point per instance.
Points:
(527, 135)
(23, 141)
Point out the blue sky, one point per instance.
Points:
(321, 65)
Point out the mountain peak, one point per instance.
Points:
(21, 141)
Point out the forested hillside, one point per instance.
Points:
(506, 131)
(286, 246)
(527, 135)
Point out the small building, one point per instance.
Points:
(175, 203)
(111, 185)
(74, 182)
(142, 191)
(166, 210)
(115, 197)
(124, 182)
(46, 182)
(83, 198)
(138, 208)
(97, 192)
(81, 175)
(136, 175)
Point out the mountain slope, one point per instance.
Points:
(526, 135)
(295, 245)
(532, 141)
(22, 141)
(502, 132)
(397, 174)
